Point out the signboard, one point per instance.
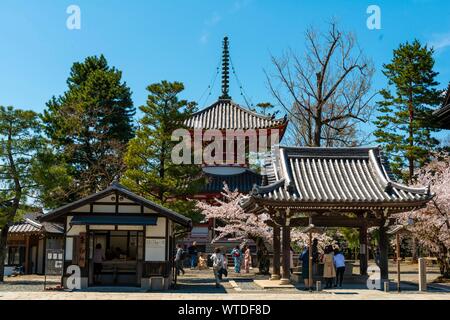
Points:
(155, 249)
(54, 262)
(82, 250)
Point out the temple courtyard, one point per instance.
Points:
(199, 285)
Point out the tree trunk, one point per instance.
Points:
(411, 136)
(262, 255)
(317, 132)
(414, 249)
(444, 262)
(3, 242)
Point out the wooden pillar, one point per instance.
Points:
(27, 254)
(310, 262)
(286, 275)
(363, 254)
(276, 253)
(397, 238)
(384, 247)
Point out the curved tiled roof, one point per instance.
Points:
(341, 177)
(117, 187)
(243, 182)
(27, 226)
(226, 114)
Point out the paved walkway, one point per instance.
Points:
(199, 285)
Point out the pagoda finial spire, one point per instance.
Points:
(225, 70)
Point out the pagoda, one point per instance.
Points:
(226, 115)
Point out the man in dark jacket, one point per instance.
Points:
(193, 253)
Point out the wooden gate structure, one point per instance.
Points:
(331, 187)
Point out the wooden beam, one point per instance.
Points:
(335, 221)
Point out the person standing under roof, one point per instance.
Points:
(339, 263)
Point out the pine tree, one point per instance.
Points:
(90, 125)
(407, 104)
(20, 141)
(150, 170)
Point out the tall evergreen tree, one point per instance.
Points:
(150, 170)
(407, 104)
(90, 125)
(20, 141)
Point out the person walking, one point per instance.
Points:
(217, 262)
(193, 254)
(179, 260)
(236, 254)
(247, 259)
(339, 263)
(328, 267)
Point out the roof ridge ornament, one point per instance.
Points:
(225, 70)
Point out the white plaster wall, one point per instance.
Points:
(159, 230)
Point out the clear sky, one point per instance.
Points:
(180, 40)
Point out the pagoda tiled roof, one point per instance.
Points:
(243, 182)
(226, 114)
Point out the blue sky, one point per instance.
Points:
(181, 40)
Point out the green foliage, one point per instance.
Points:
(351, 235)
(89, 127)
(20, 141)
(150, 170)
(402, 126)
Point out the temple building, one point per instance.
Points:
(225, 115)
(331, 187)
(28, 241)
(134, 236)
(442, 115)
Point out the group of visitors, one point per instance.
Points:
(241, 256)
(333, 265)
(242, 259)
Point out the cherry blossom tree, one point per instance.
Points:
(302, 239)
(238, 224)
(431, 225)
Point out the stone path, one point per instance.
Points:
(199, 285)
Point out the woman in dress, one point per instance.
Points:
(247, 259)
(329, 273)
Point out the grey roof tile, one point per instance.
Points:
(334, 175)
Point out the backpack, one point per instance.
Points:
(236, 253)
(183, 254)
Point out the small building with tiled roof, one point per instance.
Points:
(331, 187)
(27, 242)
(323, 179)
(117, 237)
